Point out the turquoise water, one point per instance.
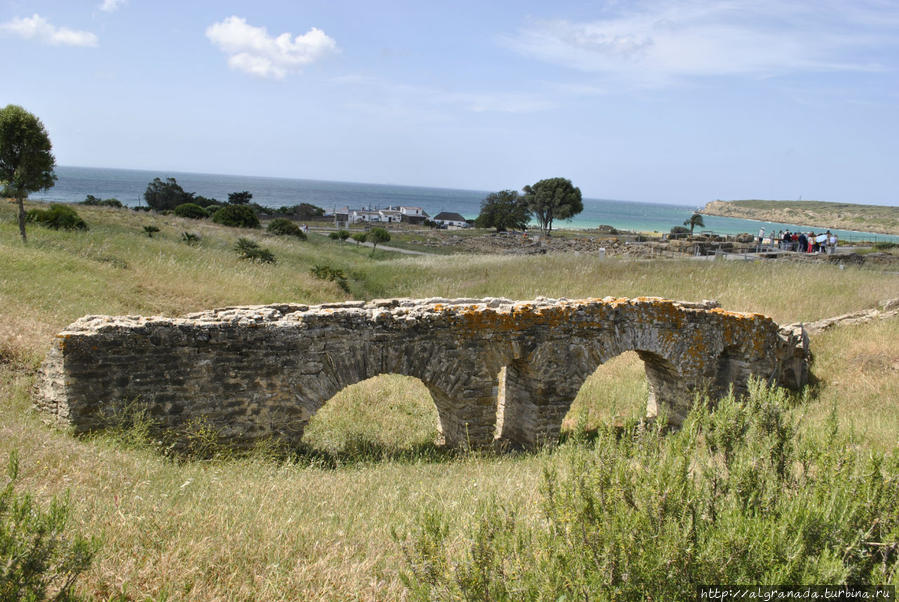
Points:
(127, 185)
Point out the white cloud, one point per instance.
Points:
(252, 50)
(658, 41)
(111, 6)
(38, 28)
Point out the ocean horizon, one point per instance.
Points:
(128, 185)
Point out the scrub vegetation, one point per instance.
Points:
(771, 489)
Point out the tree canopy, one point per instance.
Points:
(504, 210)
(551, 199)
(376, 236)
(694, 220)
(240, 198)
(26, 160)
(162, 195)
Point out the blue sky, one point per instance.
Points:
(680, 102)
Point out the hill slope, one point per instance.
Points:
(846, 216)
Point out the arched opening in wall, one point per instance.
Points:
(381, 417)
(616, 392)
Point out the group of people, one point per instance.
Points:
(801, 242)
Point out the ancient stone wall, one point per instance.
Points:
(496, 369)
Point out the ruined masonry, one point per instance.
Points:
(497, 369)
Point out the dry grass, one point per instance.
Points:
(256, 528)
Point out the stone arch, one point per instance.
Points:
(459, 381)
(539, 388)
(391, 411)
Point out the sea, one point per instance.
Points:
(128, 185)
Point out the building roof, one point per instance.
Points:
(448, 216)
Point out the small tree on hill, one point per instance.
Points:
(694, 220)
(240, 198)
(376, 236)
(551, 199)
(26, 160)
(162, 195)
(359, 237)
(504, 210)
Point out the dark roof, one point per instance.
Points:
(449, 217)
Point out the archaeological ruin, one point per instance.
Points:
(497, 370)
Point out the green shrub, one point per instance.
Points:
(57, 217)
(359, 237)
(236, 216)
(190, 238)
(680, 232)
(336, 275)
(736, 496)
(37, 557)
(249, 249)
(150, 230)
(96, 202)
(884, 245)
(191, 210)
(282, 226)
(339, 235)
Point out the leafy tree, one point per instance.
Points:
(694, 220)
(376, 236)
(281, 226)
(191, 210)
(26, 160)
(339, 235)
(504, 210)
(57, 217)
(301, 211)
(551, 199)
(359, 237)
(679, 232)
(161, 195)
(240, 198)
(237, 216)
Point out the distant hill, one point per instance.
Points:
(820, 214)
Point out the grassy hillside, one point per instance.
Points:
(320, 525)
(844, 216)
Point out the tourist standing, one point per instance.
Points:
(831, 242)
(758, 247)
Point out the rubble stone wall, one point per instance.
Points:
(496, 368)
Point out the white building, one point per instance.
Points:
(450, 219)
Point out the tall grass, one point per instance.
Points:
(258, 528)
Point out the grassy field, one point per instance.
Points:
(319, 526)
(846, 216)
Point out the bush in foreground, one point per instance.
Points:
(736, 496)
(236, 216)
(191, 211)
(249, 249)
(37, 557)
(57, 217)
(282, 226)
